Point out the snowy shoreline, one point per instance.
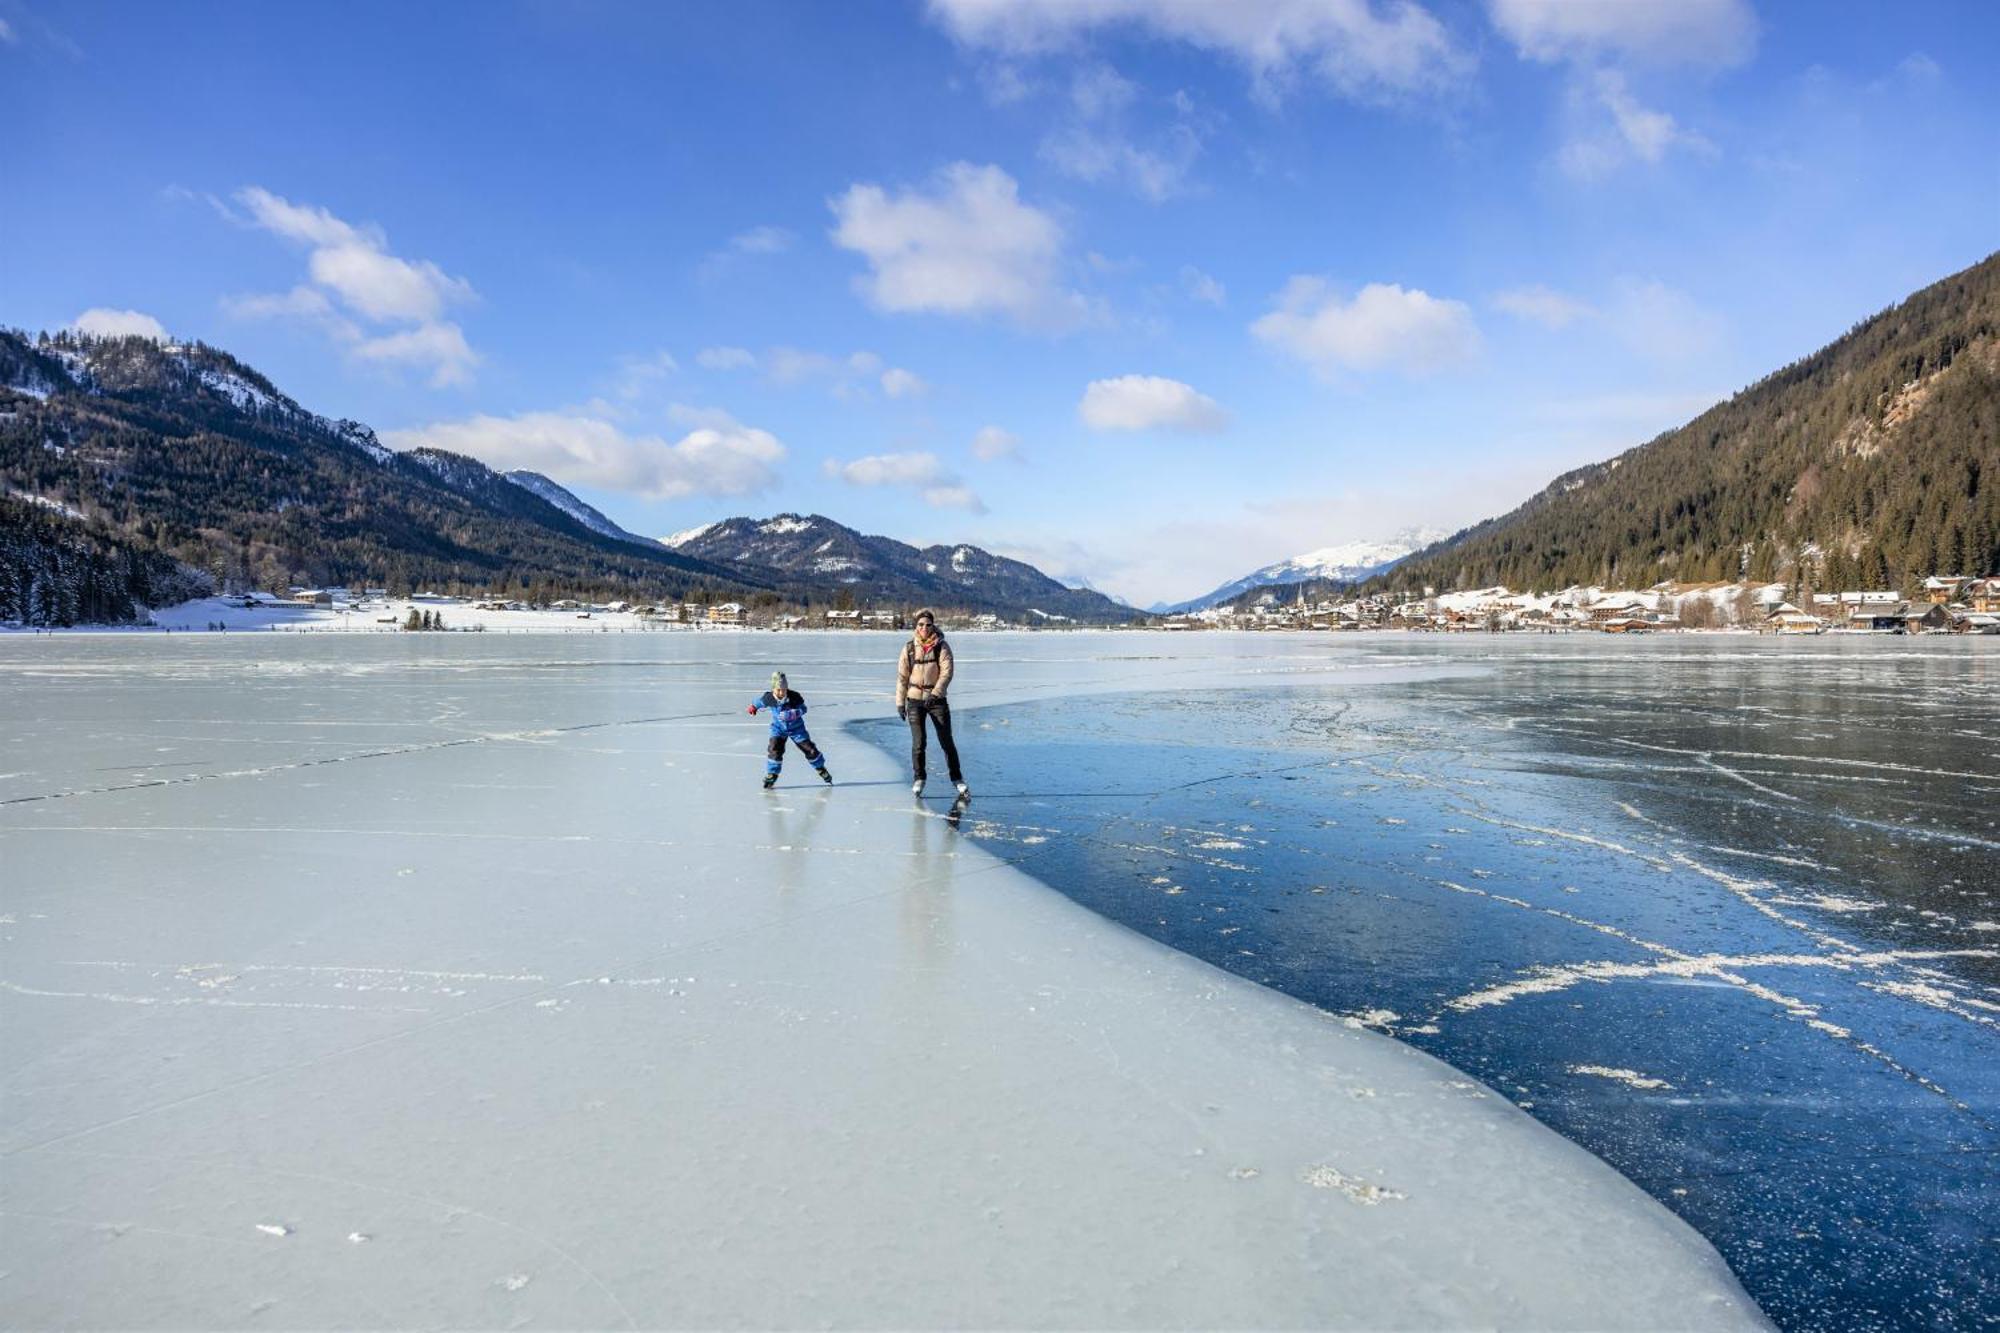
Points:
(532, 990)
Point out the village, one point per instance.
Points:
(1945, 604)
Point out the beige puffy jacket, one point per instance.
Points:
(923, 671)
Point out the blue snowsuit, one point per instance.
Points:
(788, 723)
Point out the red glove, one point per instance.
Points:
(752, 710)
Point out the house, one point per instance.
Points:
(1617, 608)
(1785, 618)
(1902, 618)
(726, 613)
(1983, 595)
(843, 619)
(1883, 618)
(791, 622)
(1975, 622)
(1919, 617)
(988, 621)
(314, 597)
(1942, 588)
(882, 620)
(1618, 624)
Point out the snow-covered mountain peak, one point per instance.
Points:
(676, 540)
(1343, 562)
(559, 496)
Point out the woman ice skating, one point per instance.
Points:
(923, 674)
(788, 723)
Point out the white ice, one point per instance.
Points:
(490, 953)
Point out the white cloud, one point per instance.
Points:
(1099, 90)
(1713, 33)
(637, 374)
(917, 471)
(761, 241)
(1148, 402)
(7, 33)
(720, 456)
(1358, 47)
(1097, 144)
(1098, 156)
(1542, 305)
(911, 469)
(439, 348)
(1631, 131)
(1384, 327)
(1004, 83)
(1202, 287)
(900, 383)
(992, 443)
(954, 496)
(355, 282)
(725, 358)
(104, 322)
(789, 365)
(964, 244)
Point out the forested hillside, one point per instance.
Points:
(183, 452)
(1874, 461)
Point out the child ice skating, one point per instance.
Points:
(788, 723)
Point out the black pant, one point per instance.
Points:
(939, 713)
(774, 752)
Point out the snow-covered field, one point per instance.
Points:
(450, 980)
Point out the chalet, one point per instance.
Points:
(1883, 618)
(882, 620)
(1974, 622)
(1983, 595)
(1902, 618)
(692, 612)
(988, 621)
(843, 619)
(1942, 588)
(314, 597)
(726, 613)
(1917, 618)
(1784, 618)
(1618, 608)
(791, 622)
(1623, 624)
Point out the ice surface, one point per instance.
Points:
(490, 952)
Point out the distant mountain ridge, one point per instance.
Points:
(586, 514)
(814, 549)
(138, 472)
(1870, 463)
(1347, 562)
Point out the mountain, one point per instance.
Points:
(814, 550)
(181, 452)
(1349, 562)
(1873, 462)
(588, 515)
(138, 473)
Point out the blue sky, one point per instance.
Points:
(1151, 292)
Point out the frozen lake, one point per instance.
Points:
(1726, 912)
(460, 980)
